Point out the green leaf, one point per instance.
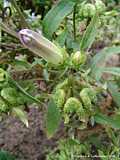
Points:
(90, 34)
(113, 122)
(62, 38)
(55, 16)
(102, 155)
(21, 115)
(100, 59)
(20, 64)
(4, 155)
(52, 119)
(113, 89)
(111, 70)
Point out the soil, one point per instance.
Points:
(26, 143)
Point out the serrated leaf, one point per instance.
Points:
(55, 16)
(100, 59)
(113, 122)
(52, 119)
(114, 92)
(90, 34)
(21, 115)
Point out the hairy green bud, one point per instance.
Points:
(72, 105)
(88, 95)
(100, 6)
(3, 78)
(85, 98)
(82, 114)
(88, 10)
(59, 97)
(78, 59)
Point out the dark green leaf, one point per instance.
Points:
(55, 16)
(90, 34)
(52, 119)
(113, 122)
(4, 155)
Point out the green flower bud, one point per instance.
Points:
(85, 98)
(88, 10)
(78, 59)
(72, 105)
(3, 106)
(83, 116)
(100, 6)
(10, 94)
(59, 97)
(40, 46)
(3, 78)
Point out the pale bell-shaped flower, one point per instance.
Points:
(41, 46)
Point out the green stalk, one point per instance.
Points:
(7, 29)
(13, 82)
(74, 23)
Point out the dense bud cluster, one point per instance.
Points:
(73, 107)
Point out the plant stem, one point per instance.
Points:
(7, 29)
(74, 23)
(24, 23)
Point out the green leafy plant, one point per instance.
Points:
(72, 69)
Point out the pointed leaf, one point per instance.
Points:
(90, 34)
(113, 122)
(52, 119)
(55, 16)
(21, 115)
(100, 59)
(112, 70)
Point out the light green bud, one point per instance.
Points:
(85, 98)
(88, 10)
(72, 105)
(78, 59)
(100, 6)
